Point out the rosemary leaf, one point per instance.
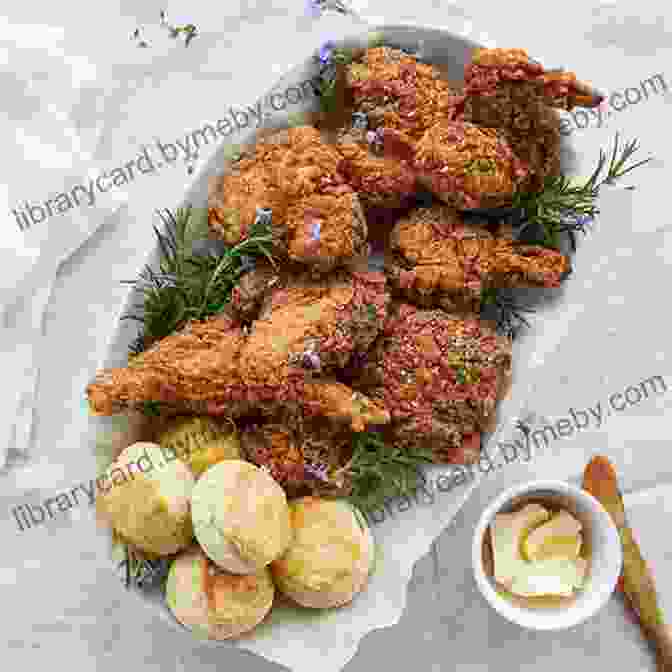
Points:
(380, 472)
(565, 206)
(187, 286)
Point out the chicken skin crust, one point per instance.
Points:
(316, 216)
(396, 91)
(306, 456)
(438, 260)
(216, 368)
(508, 91)
(440, 376)
(380, 182)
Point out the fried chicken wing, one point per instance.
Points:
(439, 260)
(440, 377)
(505, 89)
(491, 68)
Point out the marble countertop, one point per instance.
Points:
(67, 605)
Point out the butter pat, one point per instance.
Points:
(555, 576)
(507, 532)
(536, 554)
(559, 537)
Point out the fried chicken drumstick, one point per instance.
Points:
(213, 367)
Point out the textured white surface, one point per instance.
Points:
(59, 594)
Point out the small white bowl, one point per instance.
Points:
(599, 534)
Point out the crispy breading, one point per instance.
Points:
(305, 455)
(290, 172)
(468, 166)
(326, 230)
(440, 377)
(438, 260)
(506, 90)
(324, 321)
(489, 68)
(379, 181)
(213, 367)
(396, 91)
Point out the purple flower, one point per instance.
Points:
(375, 137)
(326, 52)
(318, 471)
(582, 220)
(314, 8)
(316, 230)
(311, 360)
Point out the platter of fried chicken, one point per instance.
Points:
(372, 234)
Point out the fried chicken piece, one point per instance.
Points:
(506, 90)
(315, 324)
(213, 367)
(306, 456)
(186, 369)
(440, 377)
(437, 259)
(326, 230)
(380, 182)
(491, 68)
(316, 217)
(252, 288)
(462, 164)
(396, 91)
(425, 264)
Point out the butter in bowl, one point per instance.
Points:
(546, 555)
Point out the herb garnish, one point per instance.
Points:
(190, 286)
(509, 313)
(331, 78)
(380, 472)
(563, 206)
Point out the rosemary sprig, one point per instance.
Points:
(563, 206)
(190, 286)
(332, 61)
(509, 313)
(380, 472)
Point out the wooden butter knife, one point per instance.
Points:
(599, 479)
